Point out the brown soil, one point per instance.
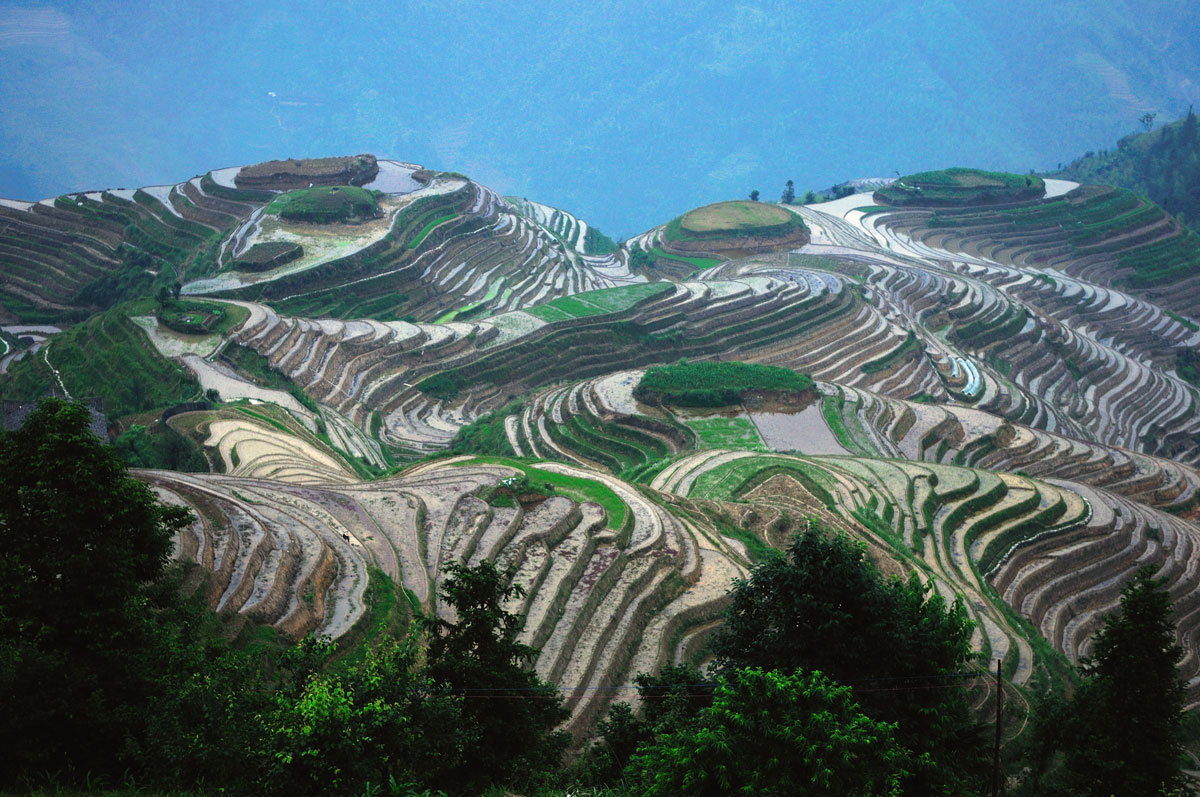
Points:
(286, 175)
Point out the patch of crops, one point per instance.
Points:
(958, 186)
(608, 300)
(715, 384)
(326, 204)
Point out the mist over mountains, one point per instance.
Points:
(622, 114)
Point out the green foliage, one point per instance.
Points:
(325, 204)
(79, 540)
(268, 255)
(193, 317)
(107, 355)
(822, 606)
(716, 384)
(1163, 164)
(486, 434)
(415, 242)
(698, 263)
(597, 243)
(958, 186)
(774, 733)
(735, 433)
(606, 300)
(510, 712)
(258, 368)
(378, 721)
(163, 447)
(1122, 731)
(911, 343)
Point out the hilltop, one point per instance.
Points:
(986, 378)
(1162, 164)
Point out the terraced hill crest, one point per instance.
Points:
(995, 390)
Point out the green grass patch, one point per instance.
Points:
(716, 384)
(325, 204)
(259, 369)
(107, 356)
(699, 263)
(958, 186)
(733, 433)
(573, 487)
(601, 302)
(415, 242)
(1187, 322)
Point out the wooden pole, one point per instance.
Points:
(996, 753)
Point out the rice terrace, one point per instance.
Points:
(363, 378)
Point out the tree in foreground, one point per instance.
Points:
(1122, 731)
(823, 606)
(774, 733)
(507, 709)
(80, 542)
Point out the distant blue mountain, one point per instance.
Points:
(624, 115)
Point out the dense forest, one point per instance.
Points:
(1162, 164)
(827, 678)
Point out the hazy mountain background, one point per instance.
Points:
(621, 113)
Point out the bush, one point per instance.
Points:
(716, 384)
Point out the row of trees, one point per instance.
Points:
(828, 678)
(788, 197)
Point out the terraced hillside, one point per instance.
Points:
(617, 581)
(996, 390)
(443, 245)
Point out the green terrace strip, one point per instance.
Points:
(608, 300)
(716, 384)
(265, 256)
(700, 263)
(429, 227)
(571, 486)
(734, 433)
(958, 186)
(326, 204)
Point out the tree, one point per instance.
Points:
(1124, 732)
(175, 289)
(1147, 119)
(754, 195)
(379, 721)
(80, 541)
(508, 711)
(775, 733)
(823, 606)
(789, 193)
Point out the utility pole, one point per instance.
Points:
(996, 753)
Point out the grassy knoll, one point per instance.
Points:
(733, 433)
(606, 300)
(107, 356)
(737, 219)
(736, 216)
(269, 255)
(958, 186)
(716, 384)
(193, 317)
(572, 487)
(326, 204)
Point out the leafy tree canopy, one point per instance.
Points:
(823, 606)
(774, 733)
